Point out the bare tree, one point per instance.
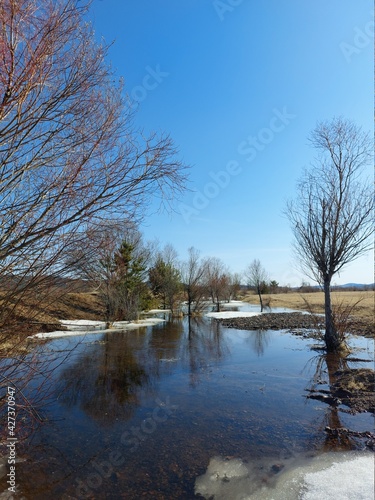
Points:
(234, 286)
(257, 277)
(169, 254)
(331, 217)
(192, 274)
(69, 153)
(114, 260)
(217, 280)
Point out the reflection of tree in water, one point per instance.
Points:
(164, 341)
(106, 381)
(259, 340)
(204, 345)
(329, 364)
(31, 375)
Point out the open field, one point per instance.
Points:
(364, 300)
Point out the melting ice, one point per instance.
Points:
(330, 476)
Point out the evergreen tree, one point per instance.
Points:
(130, 285)
(165, 282)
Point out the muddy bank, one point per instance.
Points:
(354, 388)
(275, 321)
(293, 321)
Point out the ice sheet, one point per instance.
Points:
(82, 327)
(330, 476)
(232, 314)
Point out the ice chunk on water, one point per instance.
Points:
(227, 479)
(232, 314)
(330, 476)
(220, 469)
(83, 324)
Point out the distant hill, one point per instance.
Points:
(346, 286)
(357, 286)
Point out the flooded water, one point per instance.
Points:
(141, 413)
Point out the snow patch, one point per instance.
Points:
(351, 480)
(127, 325)
(83, 327)
(59, 334)
(234, 303)
(330, 476)
(83, 324)
(232, 314)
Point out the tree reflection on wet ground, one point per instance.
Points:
(139, 414)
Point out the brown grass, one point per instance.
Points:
(363, 310)
(43, 315)
(77, 306)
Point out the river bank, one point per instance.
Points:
(294, 321)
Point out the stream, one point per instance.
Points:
(143, 413)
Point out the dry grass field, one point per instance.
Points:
(362, 302)
(47, 310)
(43, 316)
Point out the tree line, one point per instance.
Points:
(131, 275)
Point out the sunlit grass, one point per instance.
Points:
(364, 309)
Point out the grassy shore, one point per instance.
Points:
(44, 316)
(362, 302)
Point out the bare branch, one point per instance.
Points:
(70, 156)
(332, 215)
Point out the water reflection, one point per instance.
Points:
(328, 366)
(117, 371)
(106, 380)
(163, 344)
(237, 393)
(204, 345)
(259, 340)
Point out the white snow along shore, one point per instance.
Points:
(83, 326)
(232, 314)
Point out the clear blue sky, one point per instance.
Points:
(239, 85)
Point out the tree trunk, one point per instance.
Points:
(331, 337)
(189, 304)
(260, 299)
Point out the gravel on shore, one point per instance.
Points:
(293, 321)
